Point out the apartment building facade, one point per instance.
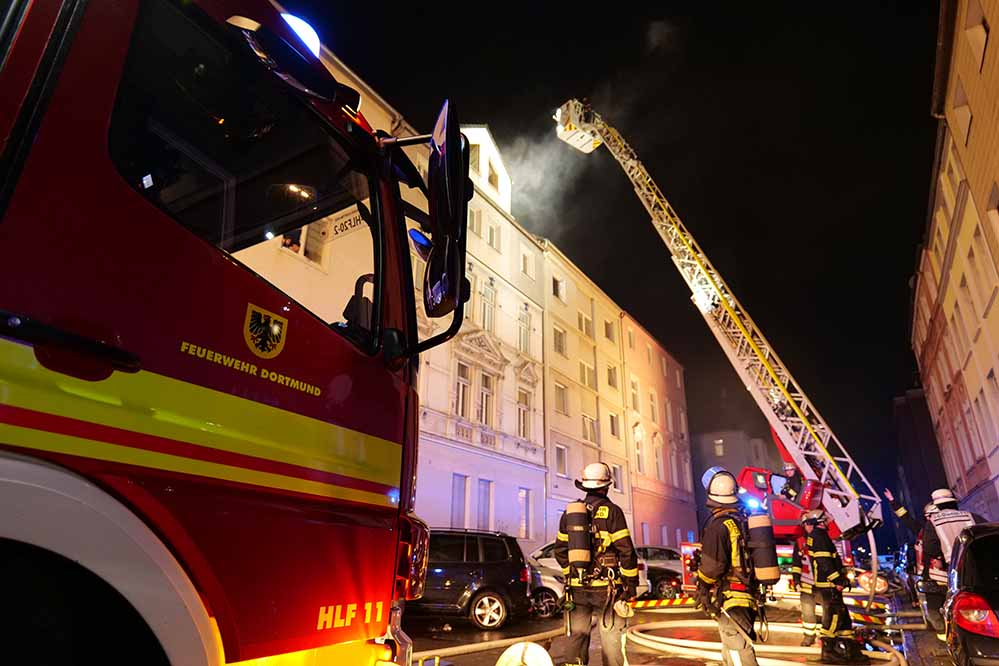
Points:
(955, 327)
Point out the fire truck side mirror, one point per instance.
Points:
(448, 194)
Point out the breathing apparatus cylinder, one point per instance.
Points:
(577, 526)
(811, 494)
(762, 548)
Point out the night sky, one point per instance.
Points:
(796, 146)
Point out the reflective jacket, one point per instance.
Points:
(827, 566)
(801, 569)
(792, 488)
(609, 534)
(724, 561)
(942, 530)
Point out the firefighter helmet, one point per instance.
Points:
(813, 517)
(595, 476)
(943, 496)
(721, 486)
(790, 468)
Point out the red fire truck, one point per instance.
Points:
(208, 340)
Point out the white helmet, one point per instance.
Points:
(595, 476)
(813, 517)
(943, 496)
(721, 486)
(790, 467)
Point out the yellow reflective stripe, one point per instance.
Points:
(56, 443)
(620, 534)
(561, 536)
(565, 570)
(900, 511)
(795, 569)
(157, 405)
(818, 584)
(596, 583)
(740, 603)
(735, 594)
(822, 553)
(733, 537)
(629, 572)
(833, 576)
(706, 579)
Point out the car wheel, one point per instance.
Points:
(663, 590)
(545, 603)
(488, 611)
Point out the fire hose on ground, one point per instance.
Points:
(433, 657)
(712, 649)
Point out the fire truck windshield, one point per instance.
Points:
(207, 134)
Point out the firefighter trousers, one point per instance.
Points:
(809, 620)
(934, 602)
(575, 648)
(736, 650)
(835, 616)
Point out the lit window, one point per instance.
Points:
(486, 391)
(584, 324)
(524, 502)
(558, 340)
(462, 390)
(524, 414)
(719, 448)
(589, 428)
(561, 460)
(587, 375)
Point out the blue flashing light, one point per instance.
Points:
(305, 32)
(753, 503)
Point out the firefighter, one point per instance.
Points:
(612, 576)
(803, 581)
(941, 531)
(726, 589)
(914, 564)
(792, 487)
(838, 643)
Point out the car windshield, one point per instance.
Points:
(980, 570)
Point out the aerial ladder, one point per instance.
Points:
(848, 497)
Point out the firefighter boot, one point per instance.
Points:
(808, 640)
(842, 651)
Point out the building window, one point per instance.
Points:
(561, 399)
(524, 340)
(683, 425)
(648, 354)
(561, 461)
(558, 339)
(527, 264)
(664, 535)
(475, 221)
(459, 493)
(669, 416)
(659, 461)
(615, 427)
(719, 448)
(612, 376)
(610, 330)
(616, 475)
(488, 307)
(589, 429)
(524, 501)
(969, 302)
(463, 389)
(985, 267)
(662, 364)
(634, 395)
(584, 324)
(493, 237)
(493, 177)
(558, 289)
(962, 114)
(639, 452)
(474, 151)
(631, 339)
(987, 426)
(653, 407)
(645, 534)
(962, 331)
(679, 378)
(976, 31)
(485, 507)
(587, 375)
(524, 414)
(487, 389)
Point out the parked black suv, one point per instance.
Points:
(480, 575)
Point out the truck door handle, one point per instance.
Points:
(33, 332)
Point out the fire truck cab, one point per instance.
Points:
(208, 340)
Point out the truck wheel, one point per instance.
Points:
(56, 612)
(488, 610)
